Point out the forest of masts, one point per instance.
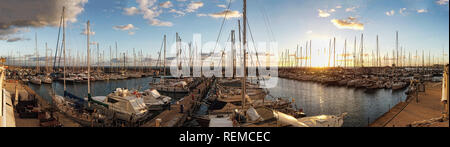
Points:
(351, 55)
(355, 54)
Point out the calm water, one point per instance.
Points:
(98, 88)
(317, 99)
(313, 98)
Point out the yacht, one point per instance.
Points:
(155, 101)
(36, 80)
(125, 105)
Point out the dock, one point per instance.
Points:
(174, 117)
(43, 104)
(426, 110)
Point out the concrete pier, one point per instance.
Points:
(425, 111)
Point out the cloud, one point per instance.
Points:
(157, 22)
(128, 27)
(390, 13)
(124, 27)
(323, 13)
(442, 2)
(351, 9)
(226, 13)
(150, 11)
(338, 7)
(402, 11)
(16, 15)
(84, 32)
(193, 6)
(202, 14)
(349, 23)
(222, 6)
(15, 39)
(309, 32)
(422, 11)
(166, 4)
(131, 11)
(180, 13)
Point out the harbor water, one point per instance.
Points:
(317, 99)
(98, 88)
(313, 98)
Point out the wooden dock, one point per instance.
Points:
(174, 117)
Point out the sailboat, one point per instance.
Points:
(46, 78)
(251, 114)
(36, 79)
(172, 84)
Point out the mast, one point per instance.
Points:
(37, 54)
(64, 49)
(233, 51)
(310, 53)
(301, 57)
(396, 46)
(110, 59)
(362, 50)
(117, 58)
(345, 53)
(329, 54)
(244, 85)
(164, 55)
(46, 58)
(306, 50)
(378, 53)
(354, 55)
(88, 60)
(334, 52)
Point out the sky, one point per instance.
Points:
(423, 25)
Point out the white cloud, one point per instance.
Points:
(124, 27)
(131, 11)
(349, 23)
(442, 2)
(422, 11)
(390, 13)
(338, 7)
(222, 6)
(150, 11)
(193, 6)
(84, 32)
(402, 11)
(201, 15)
(323, 13)
(351, 9)
(166, 4)
(181, 13)
(226, 13)
(129, 27)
